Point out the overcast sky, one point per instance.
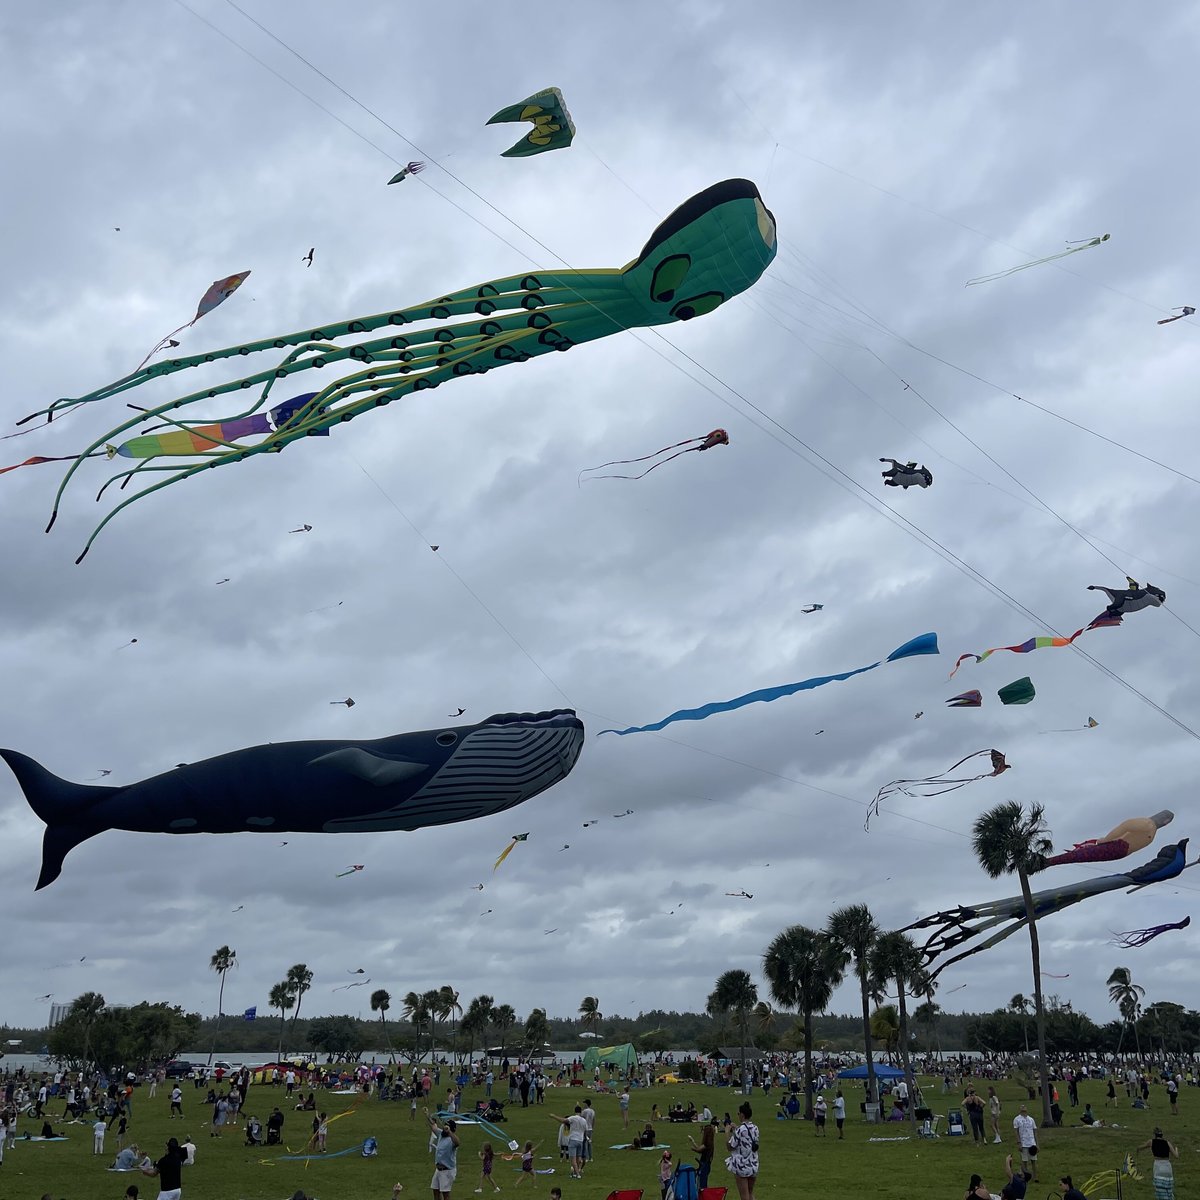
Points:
(903, 150)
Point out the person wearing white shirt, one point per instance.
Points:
(1026, 1129)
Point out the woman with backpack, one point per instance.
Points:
(743, 1159)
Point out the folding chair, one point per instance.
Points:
(625, 1194)
(713, 1193)
(954, 1123)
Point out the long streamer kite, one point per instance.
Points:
(711, 248)
(925, 644)
(1091, 724)
(1128, 838)
(218, 292)
(958, 925)
(1134, 938)
(937, 785)
(354, 868)
(1104, 621)
(718, 437)
(516, 837)
(1074, 247)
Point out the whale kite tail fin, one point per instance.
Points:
(62, 805)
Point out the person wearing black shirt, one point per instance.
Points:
(169, 1170)
(1069, 1190)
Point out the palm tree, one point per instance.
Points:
(220, 962)
(589, 1012)
(282, 999)
(1008, 840)
(537, 1029)
(735, 992)
(897, 957)
(416, 1010)
(927, 1014)
(503, 1017)
(475, 1022)
(449, 1006)
(88, 1008)
(1127, 996)
(1020, 1005)
(381, 1001)
(885, 1028)
(803, 967)
(764, 1017)
(439, 1009)
(299, 979)
(855, 931)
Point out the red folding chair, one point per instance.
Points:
(713, 1193)
(626, 1194)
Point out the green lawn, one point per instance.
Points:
(793, 1159)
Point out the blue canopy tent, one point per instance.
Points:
(882, 1071)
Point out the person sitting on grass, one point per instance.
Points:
(977, 1190)
(127, 1159)
(1015, 1188)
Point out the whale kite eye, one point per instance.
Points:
(447, 739)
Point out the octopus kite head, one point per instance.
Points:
(711, 248)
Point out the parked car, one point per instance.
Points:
(179, 1068)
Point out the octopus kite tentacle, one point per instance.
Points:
(1139, 937)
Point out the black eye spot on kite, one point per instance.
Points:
(668, 275)
(447, 739)
(530, 282)
(697, 306)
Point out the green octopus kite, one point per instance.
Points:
(552, 129)
(711, 248)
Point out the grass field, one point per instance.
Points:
(794, 1161)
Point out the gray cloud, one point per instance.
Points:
(628, 600)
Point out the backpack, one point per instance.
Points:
(370, 1148)
(684, 1185)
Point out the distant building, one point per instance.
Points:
(57, 1013)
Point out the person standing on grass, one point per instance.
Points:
(1164, 1173)
(526, 1166)
(743, 1159)
(98, 1136)
(704, 1161)
(589, 1115)
(666, 1168)
(624, 1103)
(994, 1113)
(445, 1157)
(1026, 1129)
(576, 1132)
(487, 1156)
(974, 1106)
(839, 1114)
(176, 1103)
(169, 1170)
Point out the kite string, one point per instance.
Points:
(913, 530)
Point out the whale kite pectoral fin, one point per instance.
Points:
(375, 769)
(57, 843)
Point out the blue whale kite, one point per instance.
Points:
(408, 781)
